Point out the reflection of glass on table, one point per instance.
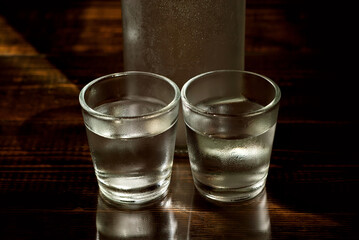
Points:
(113, 222)
(240, 220)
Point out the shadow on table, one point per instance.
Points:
(55, 132)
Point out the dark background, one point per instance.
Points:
(48, 51)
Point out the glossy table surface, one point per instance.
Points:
(48, 190)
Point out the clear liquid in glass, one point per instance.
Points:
(225, 167)
(132, 169)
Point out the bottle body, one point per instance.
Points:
(180, 39)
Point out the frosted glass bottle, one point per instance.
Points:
(182, 38)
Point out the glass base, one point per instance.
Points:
(136, 196)
(230, 194)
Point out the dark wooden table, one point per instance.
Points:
(49, 50)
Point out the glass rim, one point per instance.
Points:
(156, 113)
(263, 109)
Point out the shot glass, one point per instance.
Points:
(130, 120)
(230, 118)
